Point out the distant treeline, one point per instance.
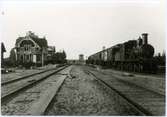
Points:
(58, 57)
(160, 59)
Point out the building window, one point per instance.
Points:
(27, 57)
(21, 57)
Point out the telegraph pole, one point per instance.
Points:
(42, 58)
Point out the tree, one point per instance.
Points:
(64, 55)
(12, 57)
(59, 57)
(160, 58)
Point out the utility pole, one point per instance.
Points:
(42, 57)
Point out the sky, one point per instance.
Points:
(83, 26)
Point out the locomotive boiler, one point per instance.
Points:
(133, 55)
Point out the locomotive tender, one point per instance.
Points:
(133, 55)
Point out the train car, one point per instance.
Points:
(109, 57)
(133, 55)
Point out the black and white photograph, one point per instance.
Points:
(83, 57)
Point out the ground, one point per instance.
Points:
(82, 95)
(23, 72)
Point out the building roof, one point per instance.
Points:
(3, 47)
(42, 42)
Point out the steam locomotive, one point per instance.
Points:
(133, 55)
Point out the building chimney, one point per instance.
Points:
(144, 37)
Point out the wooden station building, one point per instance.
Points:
(33, 49)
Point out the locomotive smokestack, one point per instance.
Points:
(145, 38)
(140, 41)
(103, 48)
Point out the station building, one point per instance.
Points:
(33, 49)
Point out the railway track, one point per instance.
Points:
(135, 100)
(139, 82)
(44, 86)
(27, 76)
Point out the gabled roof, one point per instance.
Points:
(18, 40)
(42, 42)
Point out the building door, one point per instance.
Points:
(34, 58)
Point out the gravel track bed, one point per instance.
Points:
(9, 87)
(20, 104)
(151, 101)
(81, 94)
